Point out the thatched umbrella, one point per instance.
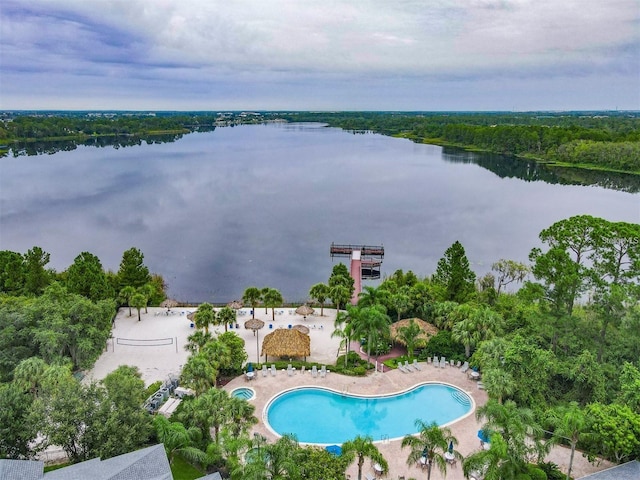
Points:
(301, 328)
(255, 324)
(304, 310)
(427, 330)
(286, 342)
(236, 305)
(169, 303)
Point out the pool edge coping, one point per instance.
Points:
(378, 395)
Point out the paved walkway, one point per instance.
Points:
(464, 430)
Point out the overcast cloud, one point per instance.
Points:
(298, 54)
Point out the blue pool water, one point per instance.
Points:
(242, 392)
(317, 415)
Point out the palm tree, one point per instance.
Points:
(499, 383)
(401, 301)
(491, 464)
(276, 461)
(340, 295)
(138, 301)
(517, 427)
(198, 373)
(226, 316)
(432, 442)
(371, 296)
(570, 423)
(263, 293)
(176, 438)
(320, 292)
(204, 316)
(197, 340)
(125, 295)
(28, 375)
(252, 296)
(342, 331)
(409, 335)
(272, 298)
(240, 415)
(369, 322)
(363, 447)
(147, 290)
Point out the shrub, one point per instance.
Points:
(153, 388)
(552, 471)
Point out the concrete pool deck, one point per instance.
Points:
(465, 430)
(159, 362)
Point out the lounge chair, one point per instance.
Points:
(443, 362)
(264, 370)
(416, 365)
(429, 360)
(302, 369)
(458, 363)
(401, 367)
(465, 367)
(323, 371)
(314, 371)
(273, 369)
(407, 367)
(480, 386)
(435, 362)
(368, 476)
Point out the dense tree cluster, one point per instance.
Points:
(607, 141)
(558, 357)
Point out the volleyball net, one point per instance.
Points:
(146, 342)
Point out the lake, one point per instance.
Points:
(260, 205)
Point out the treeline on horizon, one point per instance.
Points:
(602, 140)
(608, 140)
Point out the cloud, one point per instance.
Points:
(204, 46)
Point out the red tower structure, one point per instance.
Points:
(365, 263)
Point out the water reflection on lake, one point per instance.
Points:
(259, 205)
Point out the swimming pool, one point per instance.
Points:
(319, 415)
(244, 393)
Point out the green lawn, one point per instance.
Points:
(183, 470)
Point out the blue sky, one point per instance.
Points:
(320, 55)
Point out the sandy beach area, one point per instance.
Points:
(155, 344)
(163, 335)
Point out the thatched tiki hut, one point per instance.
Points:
(426, 331)
(286, 342)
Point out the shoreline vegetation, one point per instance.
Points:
(606, 142)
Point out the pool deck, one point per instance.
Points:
(465, 430)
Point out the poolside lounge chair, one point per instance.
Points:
(443, 362)
(314, 371)
(416, 365)
(407, 367)
(273, 369)
(289, 370)
(368, 476)
(323, 371)
(465, 367)
(458, 363)
(264, 370)
(435, 362)
(401, 367)
(302, 369)
(480, 386)
(429, 360)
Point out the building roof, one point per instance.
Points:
(149, 463)
(21, 469)
(626, 471)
